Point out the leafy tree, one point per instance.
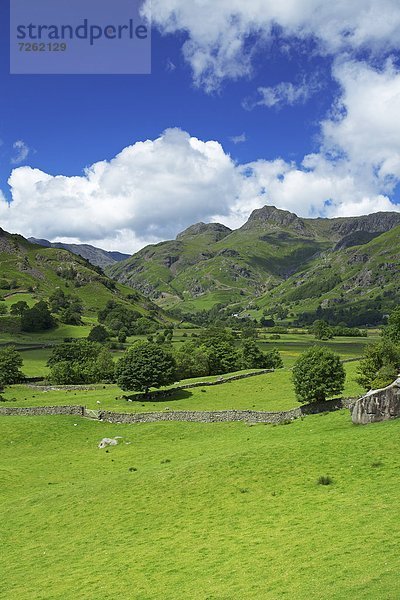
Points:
(252, 357)
(219, 345)
(10, 363)
(380, 364)
(18, 308)
(273, 360)
(99, 333)
(122, 335)
(322, 330)
(144, 366)
(37, 318)
(81, 362)
(317, 375)
(392, 330)
(191, 361)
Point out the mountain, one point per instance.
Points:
(33, 270)
(209, 263)
(96, 256)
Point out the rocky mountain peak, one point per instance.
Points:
(218, 230)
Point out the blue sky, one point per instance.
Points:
(296, 118)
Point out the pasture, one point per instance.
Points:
(218, 511)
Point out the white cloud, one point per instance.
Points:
(367, 128)
(239, 139)
(284, 93)
(149, 191)
(21, 152)
(217, 32)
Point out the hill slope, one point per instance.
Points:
(38, 271)
(96, 256)
(209, 264)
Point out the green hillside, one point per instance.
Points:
(210, 264)
(31, 273)
(362, 279)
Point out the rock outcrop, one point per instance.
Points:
(377, 405)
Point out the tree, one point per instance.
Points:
(252, 357)
(317, 375)
(191, 361)
(10, 363)
(18, 308)
(98, 333)
(81, 362)
(322, 330)
(380, 364)
(144, 366)
(37, 318)
(222, 354)
(392, 331)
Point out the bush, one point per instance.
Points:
(317, 375)
(325, 480)
(37, 318)
(380, 365)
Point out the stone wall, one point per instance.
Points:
(37, 411)
(377, 405)
(193, 416)
(225, 416)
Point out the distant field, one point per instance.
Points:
(193, 511)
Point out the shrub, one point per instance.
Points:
(380, 364)
(324, 480)
(318, 374)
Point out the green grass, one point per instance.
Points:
(218, 511)
(270, 392)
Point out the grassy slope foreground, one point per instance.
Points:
(219, 511)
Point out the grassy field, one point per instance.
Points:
(270, 392)
(206, 512)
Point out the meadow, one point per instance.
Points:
(220, 511)
(207, 512)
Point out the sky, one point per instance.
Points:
(295, 104)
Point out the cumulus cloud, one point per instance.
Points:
(152, 190)
(220, 35)
(21, 152)
(147, 192)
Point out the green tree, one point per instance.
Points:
(380, 364)
(322, 330)
(18, 308)
(392, 331)
(191, 361)
(317, 375)
(251, 356)
(273, 360)
(99, 333)
(37, 318)
(222, 355)
(144, 366)
(81, 362)
(10, 364)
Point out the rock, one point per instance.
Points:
(377, 405)
(107, 442)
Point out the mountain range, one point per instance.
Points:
(275, 258)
